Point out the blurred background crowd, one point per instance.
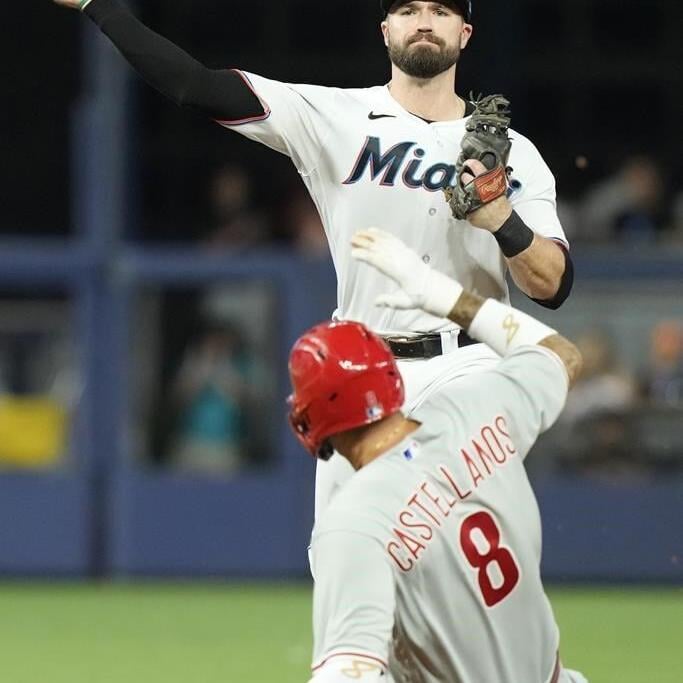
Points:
(593, 84)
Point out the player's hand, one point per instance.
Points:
(419, 285)
(73, 4)
(491, 216)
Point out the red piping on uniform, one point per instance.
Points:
(558, 670)
(251, 119)
(561, 242)
(350, 654)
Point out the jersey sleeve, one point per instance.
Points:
(531, 389)
(353, 599)
(534, 199)
(295, 121)
(523, 395)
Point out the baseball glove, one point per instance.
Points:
(487, 141)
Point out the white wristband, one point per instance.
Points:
(441, 293)
(83, 4)
(343, 667)
(505, 329)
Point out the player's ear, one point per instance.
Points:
(385, 33)
(465, 35)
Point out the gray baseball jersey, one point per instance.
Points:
(366, 162)
(427, 560)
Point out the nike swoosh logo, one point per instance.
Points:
(373, 117)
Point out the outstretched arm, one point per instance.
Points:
(502, 327)
(221, 94)
(469, 305)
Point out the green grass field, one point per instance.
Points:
(205, 633)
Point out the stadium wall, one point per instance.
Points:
(110, 515)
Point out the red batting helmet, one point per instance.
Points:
(343, 377)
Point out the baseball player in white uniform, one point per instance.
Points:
(382, 156)
(427, 559)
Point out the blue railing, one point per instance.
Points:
(109, 514)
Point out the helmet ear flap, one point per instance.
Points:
(343, 377)
(300, 423)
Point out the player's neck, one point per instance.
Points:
(361, 446)
(433, 99)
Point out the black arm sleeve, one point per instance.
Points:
(566, 284)
(219, 93)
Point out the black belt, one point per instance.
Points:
(424, 346)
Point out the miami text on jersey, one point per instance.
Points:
(420, 519)
(401, 163)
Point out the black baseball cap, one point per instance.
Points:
(465, 6)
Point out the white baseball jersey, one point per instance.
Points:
(427, 560)
(366, 161)
(421, 379)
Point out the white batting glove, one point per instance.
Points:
(419, 285)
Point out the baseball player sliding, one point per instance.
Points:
(384, 156)
(427, 560)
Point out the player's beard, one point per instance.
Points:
(423, 61)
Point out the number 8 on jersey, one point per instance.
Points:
(482, 559)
